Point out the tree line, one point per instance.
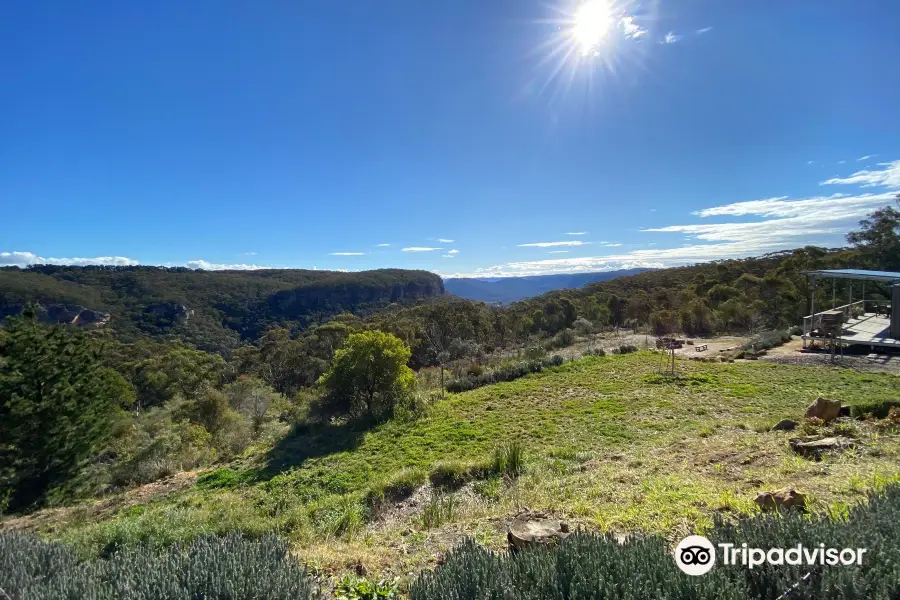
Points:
(83, 412)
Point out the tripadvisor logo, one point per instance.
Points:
(696, 555)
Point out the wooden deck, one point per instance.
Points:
(867, 330)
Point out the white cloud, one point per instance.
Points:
(382, 245)
(840, 162)
(703, 30)
(454, 251)
(23, 259)
(810, 162)
(247, 254)
(866, 157)
(559, 252)
(420, 249)
(447, 256)
(671, 38)
(552, 244)
(612, 245)
(445, 241)
(888, 177)
(631, 29)
(781, 224)
(577, 233)
(208, 266)
(347, 254)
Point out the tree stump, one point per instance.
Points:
(535, 530)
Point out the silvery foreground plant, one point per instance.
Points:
(597, 567)
(225, 568)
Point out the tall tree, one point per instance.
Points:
(57, 405)
(368, 376)
(879, 238)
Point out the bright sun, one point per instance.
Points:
(591, 22)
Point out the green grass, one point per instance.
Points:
(609, 445)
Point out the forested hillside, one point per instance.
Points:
(214, 310)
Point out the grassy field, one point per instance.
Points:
(608, 445)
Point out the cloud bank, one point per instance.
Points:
(23, 259)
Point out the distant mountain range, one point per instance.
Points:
(504, 290)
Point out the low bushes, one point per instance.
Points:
(595, 567)
(507, 373)
(452, 474)
(509, 459)
(225, 568)
(764, 341)
(877, 408)
(625, 349)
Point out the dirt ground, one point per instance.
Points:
(104, 507)
(715, 346)
(858, 359)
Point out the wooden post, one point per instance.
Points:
(812, 311)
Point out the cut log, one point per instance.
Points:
(528, 530)
(813, 446)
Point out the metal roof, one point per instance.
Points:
(858, 274)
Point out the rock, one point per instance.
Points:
(169, 311)
(360, 569)
(785, 499)
(813, 446)
(537, 529)
(71, 314)
(785, 425)
(827, 410)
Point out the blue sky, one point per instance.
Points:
(463, 137)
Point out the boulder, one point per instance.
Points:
(827, 410)
(785, 425)
(785, 499)
(813, 446)
(535, 529)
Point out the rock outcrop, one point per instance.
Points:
(69, 314)
(826, 410)
(781, 500)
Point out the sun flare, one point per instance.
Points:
(591, 23)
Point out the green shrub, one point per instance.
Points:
(595, 352)
(441, 508)
(474, 369)
(352, 587)
(222, 478)
(877, 408)
(625, 349)
(508, 373)
(563, 339)
(535, 353)
(212, 568)
(766, 340)
(509, 459)
(598, 567)
(555, 361)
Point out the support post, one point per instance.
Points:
(812, 311)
